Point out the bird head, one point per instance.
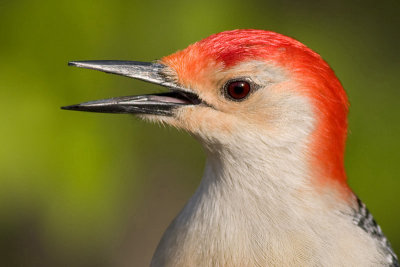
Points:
(243, 90)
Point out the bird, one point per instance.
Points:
(271, 116)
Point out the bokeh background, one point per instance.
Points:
(81, 189)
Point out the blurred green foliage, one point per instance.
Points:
(80, 189)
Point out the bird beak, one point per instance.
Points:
(156, 104)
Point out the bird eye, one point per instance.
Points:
(238, 90)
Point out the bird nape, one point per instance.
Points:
(272, 117)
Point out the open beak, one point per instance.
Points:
(156, 104)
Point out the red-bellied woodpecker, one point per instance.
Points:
(272, 117)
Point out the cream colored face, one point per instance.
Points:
(273, 107)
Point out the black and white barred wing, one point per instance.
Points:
(363, 218)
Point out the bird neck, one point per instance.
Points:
(248, 199)
(272, 180)
(268, 181)
(257, 165)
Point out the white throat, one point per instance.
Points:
(244, 199)
(262, 210)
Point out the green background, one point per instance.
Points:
(81, 189)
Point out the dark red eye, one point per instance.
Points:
(238, 89)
